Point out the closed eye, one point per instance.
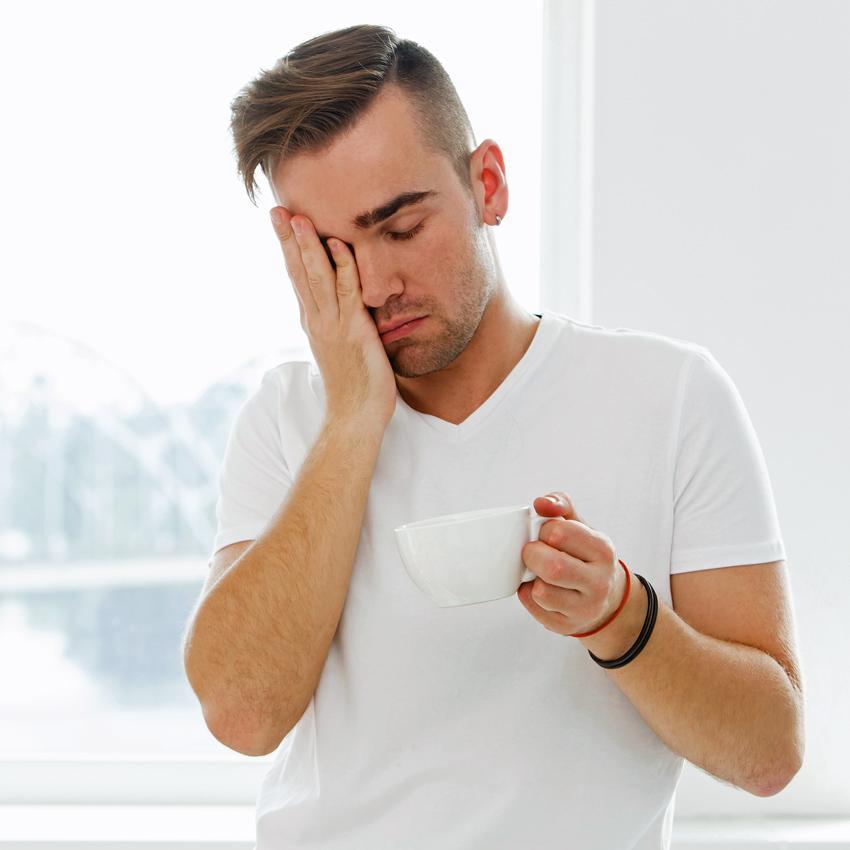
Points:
(397, 236)
(407, 234)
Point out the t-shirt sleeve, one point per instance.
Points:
(254, 477)
(723, 508)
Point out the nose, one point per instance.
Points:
(379, 279)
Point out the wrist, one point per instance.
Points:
(366, 430)
(619, 635)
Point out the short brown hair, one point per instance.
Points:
(318, 90)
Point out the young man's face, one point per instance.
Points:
(444, 269)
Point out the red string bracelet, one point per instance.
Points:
(616, 613)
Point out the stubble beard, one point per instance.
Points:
(444, 338)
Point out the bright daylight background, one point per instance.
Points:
(145, 297)
(695, 183)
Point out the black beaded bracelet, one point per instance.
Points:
(643, 637)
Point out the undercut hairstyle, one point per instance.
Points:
(316, 93)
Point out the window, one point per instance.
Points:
(146, 296)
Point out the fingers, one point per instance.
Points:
(292, 259)
(325, 278)
(347, 276)
(561, 570)
(307, 265)
(564, 506)
(566, 552)
(321, 278)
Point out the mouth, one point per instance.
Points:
(402, 330)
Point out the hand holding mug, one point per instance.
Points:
(566, 574)
(580, 582)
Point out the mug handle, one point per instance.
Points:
(535, 522)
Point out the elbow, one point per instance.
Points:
(771, 788)
(795, 746)
(776, 782)
(244, 738)
(245, 745)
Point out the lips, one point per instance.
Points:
(403, 330)
(382, 329)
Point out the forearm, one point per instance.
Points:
(726, 707)
(260, 638)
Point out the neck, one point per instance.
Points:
(498, 344)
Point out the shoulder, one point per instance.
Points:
(644, 358)
(628, 339)
(289, 381)
(269, 391)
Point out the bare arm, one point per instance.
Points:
(729, 708)
(259, 638)
(261, 634)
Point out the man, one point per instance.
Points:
(409, 725)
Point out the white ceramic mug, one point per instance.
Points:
(474, 556)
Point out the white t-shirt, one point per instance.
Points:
(475, 726)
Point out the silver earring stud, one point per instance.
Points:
(498, 219)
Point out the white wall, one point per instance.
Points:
(721, 201)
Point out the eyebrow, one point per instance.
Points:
(367, 220)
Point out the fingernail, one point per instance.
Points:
(297, 226)
(552, 499)
(275, 216)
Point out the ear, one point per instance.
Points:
(489, 183)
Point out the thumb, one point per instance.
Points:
(561, 507)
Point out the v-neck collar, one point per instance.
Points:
(543, 337)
